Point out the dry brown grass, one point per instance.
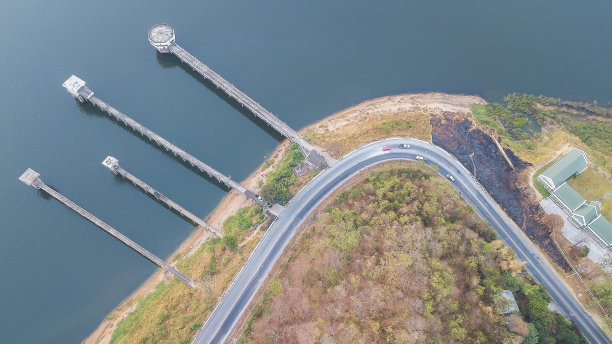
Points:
(174, 312)
(551, 141)
(405, 115)
(592, 186)
(353, 134)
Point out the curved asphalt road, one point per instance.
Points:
(249, 279)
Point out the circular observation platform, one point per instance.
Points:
(161, 36)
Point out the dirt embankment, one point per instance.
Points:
(405, 115)
(479, 154)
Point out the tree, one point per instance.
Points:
(537, 306)
(553, 222)
(516, 325)
(230, 242)
(532, 336)
(510, 281)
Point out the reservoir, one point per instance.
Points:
(301, 60)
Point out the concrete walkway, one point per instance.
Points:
(597, 253)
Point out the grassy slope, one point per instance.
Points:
(174, 312)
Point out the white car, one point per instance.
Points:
(451, 178)
(404, 146)
(418, 157)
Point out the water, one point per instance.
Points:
(301, 60)
(524, 131)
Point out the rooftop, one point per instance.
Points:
(73, 84)
(571, 163)
(588, 212)
(569, 196)
(29, 176)
(77, 88)
(110, 162)
(161, 34)
(508, 303)
(603, 228)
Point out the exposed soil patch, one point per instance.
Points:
(479, 154)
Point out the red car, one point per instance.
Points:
(386, 148)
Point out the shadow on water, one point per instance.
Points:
(120, 180)
(170, 61)
(44, 194)
(91, 110)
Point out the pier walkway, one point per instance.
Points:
(31, 177)
(162, 37)
(113, 165)
(79, 90)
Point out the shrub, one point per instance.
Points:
(278, 182)
(230, 241)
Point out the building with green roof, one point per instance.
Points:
(567, 197)
(602, 228)
(571, 163)
(585, 214)
(582, 214)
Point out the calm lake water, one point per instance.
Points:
(302, 60)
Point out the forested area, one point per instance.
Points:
(400, 258)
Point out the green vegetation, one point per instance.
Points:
(593, 186)
(551, 327)
(602, 289)
(589, 122)
(236, 226)
(400, 256)
(393, 125)
(278, 182)
(247, 217)
(544, 325)
(173, 313)
(507, 122)
(538, 185)
(230, 241)
(594, 132)
(589, 108)
(130, 321)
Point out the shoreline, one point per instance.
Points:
(228, 206)
(378, 108)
